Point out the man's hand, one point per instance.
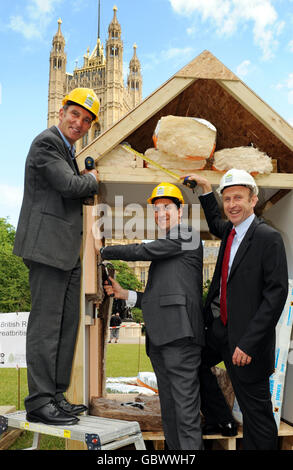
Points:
(201, 181)
(240, 358)
(93, 172)
(116, 289)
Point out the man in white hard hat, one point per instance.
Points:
(245, 300)
(48, 238)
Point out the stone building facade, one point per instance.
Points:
(102, 71)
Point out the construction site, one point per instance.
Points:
(206, 120)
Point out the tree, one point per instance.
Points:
(14, 283)
(128, 280)
(125, 276)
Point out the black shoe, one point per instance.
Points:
(226, 429)
(51, 414)
(67, 407)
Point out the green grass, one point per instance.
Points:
(126, 360)
(123, 360)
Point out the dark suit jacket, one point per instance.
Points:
(172, 301)
(50, 224)
(256, 289)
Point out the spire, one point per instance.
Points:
(59, 34)
(134, 79)
(59, 26)
(99, 19)
(114, 27)
(115, 14)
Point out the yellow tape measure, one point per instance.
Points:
(186, 182)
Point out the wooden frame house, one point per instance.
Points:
(206, 89)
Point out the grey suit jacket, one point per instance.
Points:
(49, 229)
(172, 301)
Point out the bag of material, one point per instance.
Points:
(243, 158)
(185, 137)
(173, 163)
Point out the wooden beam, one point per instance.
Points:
(148, 175)
(134, 119)
(272, 201)
(258, 108)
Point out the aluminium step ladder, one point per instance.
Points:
(97, 433)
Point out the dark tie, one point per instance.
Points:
(225, 269)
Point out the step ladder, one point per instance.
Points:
(97, 433)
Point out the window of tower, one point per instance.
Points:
(115, 35)
(97, 131)
(137, 85)
(59, 63)
(114, 51)
(85, 140)
(55, 63)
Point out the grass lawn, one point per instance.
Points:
(123, 360)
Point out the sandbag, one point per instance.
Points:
(243, 158)
(185, 137)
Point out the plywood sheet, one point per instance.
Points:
(206, 65)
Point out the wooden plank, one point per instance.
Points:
(96, 357)
(8, 438)
(262, 111)
(76, 391)
(134, 119)
(149, 175)
(5, 409)
(89, 256)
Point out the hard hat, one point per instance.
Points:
(86, 98)
(235, 177)
(166, 190)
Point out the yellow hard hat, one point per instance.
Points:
(167, 190)
(85, 97)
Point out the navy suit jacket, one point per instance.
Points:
(257, 289)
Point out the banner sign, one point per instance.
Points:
(13, 339)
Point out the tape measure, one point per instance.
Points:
(189, 183)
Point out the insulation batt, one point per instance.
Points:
(185, 137)
(120, 157)
(171, 162)
(243, 158)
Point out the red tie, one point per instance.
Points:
(225, 268)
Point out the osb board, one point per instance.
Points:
(235, 125)
(206, 66)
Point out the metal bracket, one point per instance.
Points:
(3, 424)
(93, 441)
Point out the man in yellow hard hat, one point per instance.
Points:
(172, 310)
(48, 238)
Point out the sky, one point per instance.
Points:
(253, 38)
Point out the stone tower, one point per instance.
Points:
(101, 71)
(134, 81)
(56, 76)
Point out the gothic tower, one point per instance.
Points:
(114, 72)
(134, 80)
(101, 71)
(56, 76)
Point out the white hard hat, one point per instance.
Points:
(236, 177)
